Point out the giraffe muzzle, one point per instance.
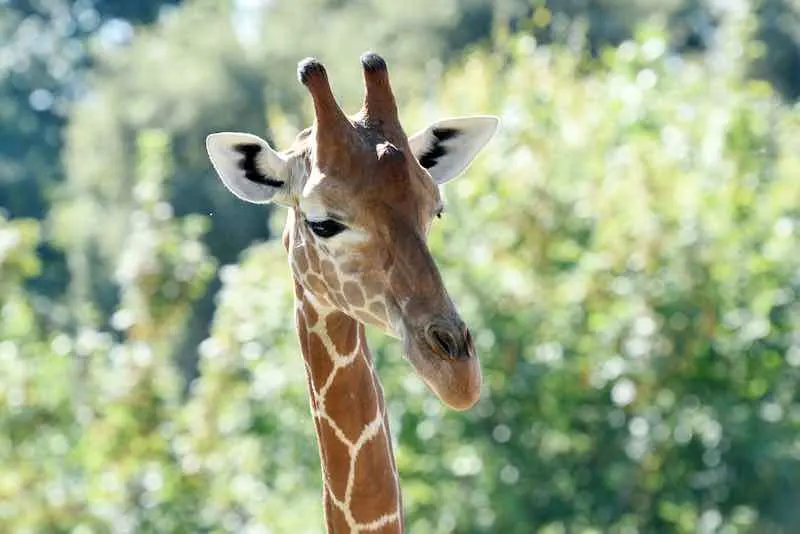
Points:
(444, 356)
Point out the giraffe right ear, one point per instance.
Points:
(447, 147)
(249, 167)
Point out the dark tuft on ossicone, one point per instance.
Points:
(307, 68)
(372, 62)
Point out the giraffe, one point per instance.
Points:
(361, 199)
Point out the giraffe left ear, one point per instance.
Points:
(447, 147)
(249, 167)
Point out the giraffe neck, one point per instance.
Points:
(361, 491)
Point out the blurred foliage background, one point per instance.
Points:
(627, 251)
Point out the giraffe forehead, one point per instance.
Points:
(366, 191)
(375, 156)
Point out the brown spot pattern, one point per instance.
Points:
(313, 258)
(311, 314)
(343, 332)
(316, 284)
(353, 294)
(378, 309)
(351, 400)
(302, 330)
(371, 474)
(329, 274)
(373, 286)
(336, 458)
(319, 360)
(300, 261)
(335, 516)
(349, 267)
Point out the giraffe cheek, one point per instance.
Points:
(373, 286)
(350, 267)
(299, 262)
(330, 275)
(316, 284)
(353, 294)
(313, 258)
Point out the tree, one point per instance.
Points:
(42, 73)
(90, 418)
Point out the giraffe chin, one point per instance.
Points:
(457, 382)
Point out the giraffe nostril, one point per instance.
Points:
(443, 342)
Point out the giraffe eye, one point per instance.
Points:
(326, 228)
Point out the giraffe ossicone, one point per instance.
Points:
(362, 197)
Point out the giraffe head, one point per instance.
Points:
(362, 197)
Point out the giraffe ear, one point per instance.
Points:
(249, 167)
(447, 147)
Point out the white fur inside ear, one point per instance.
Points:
(248, 166)
(447, 147)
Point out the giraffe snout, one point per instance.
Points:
(443, 355)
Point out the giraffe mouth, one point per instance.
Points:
(445, 359)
